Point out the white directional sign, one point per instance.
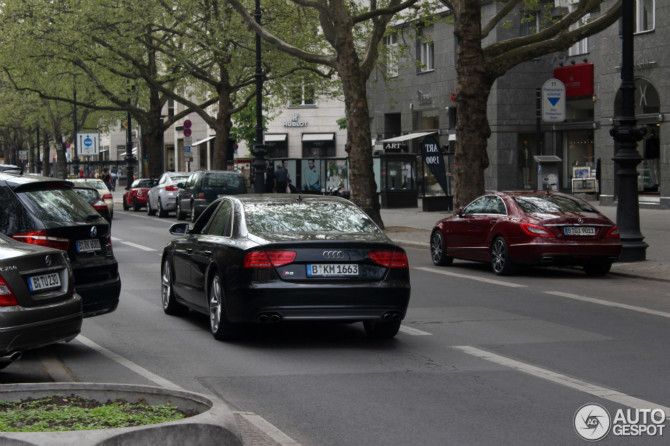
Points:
(88, 144)
(553, 101)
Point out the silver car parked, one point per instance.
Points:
(162, 198)
(38, 304)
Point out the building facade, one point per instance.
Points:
(415, 94)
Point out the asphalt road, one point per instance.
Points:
(480, 360)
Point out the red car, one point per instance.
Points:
(509, 229)
(137, 195)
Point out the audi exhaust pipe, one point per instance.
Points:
(391, 316)
(269, 317)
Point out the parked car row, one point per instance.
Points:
(65, 242)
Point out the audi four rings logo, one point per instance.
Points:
(333, 255)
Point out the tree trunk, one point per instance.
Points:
(472, 92)
(46, 153)
(222, 127)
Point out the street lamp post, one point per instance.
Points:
(626, 158)
(259, 150)
(130, 159)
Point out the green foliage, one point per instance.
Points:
(244, 124)
(58, 413)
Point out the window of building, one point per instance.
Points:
(645, 16)
(427, 56)
(581, 47)
(302, 95)
(391, 42)
(530, 23)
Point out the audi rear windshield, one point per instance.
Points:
(308, 216)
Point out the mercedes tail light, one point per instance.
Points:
(7, 298)
(536, 230)
(41, 238)
(613, 233)
(390, 259)
(268, 259)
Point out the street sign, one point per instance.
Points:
(187, 124)
(187, 149)
(88, 144)
(188, 141)
(553, 101)
(187, 132)
(23, 155)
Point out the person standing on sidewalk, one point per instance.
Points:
(281, 178)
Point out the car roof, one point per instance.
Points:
(16, 180)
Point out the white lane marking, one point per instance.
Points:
(142, 247)
(563, 380)
(608, 303)
(413, 331)
(129, 364)
(265, 426)
(269, 429)
(478, 279)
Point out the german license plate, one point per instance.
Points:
(332, 270)
(579, 230)
(44, 282)
(90, 245)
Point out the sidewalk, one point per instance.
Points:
(412, 227)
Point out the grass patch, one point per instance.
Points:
(73, 413)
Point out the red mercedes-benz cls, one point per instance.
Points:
(509, 229)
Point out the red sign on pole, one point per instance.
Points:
(187, 124)
(187, 132)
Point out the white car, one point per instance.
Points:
(102, 188)
(162, 198)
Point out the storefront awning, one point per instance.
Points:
(407, 137)
(209, 138)
(318, 136)
(277, 137)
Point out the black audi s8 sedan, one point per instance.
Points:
(276, 257)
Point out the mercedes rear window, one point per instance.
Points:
(551, 204)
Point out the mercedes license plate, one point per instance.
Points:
(90, 245)
(579, 230)
(332, 269)
(44, 282)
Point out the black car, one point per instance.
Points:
(278, 257)
(205, 186)
(94, 199)
(48, 212)
(38, 305)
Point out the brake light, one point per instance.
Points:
(201, 195)
(41, 238)
(536, 230)
(171, 188)
(7, 298)
(107, 197)
(390, 259)
(108, 240)
(268, 259)
(99, 205)
(613, 233)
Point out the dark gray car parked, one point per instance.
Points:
(38, 305)
(205, 186)
(48, 212)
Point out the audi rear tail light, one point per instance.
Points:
(390, 259)
(201, 195)
(41, 238)
(268, 259)
(613, 233)
(171, 188)
(536, 230)
(7, 298)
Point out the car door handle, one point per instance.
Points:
(493, 221)
(189, 250)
